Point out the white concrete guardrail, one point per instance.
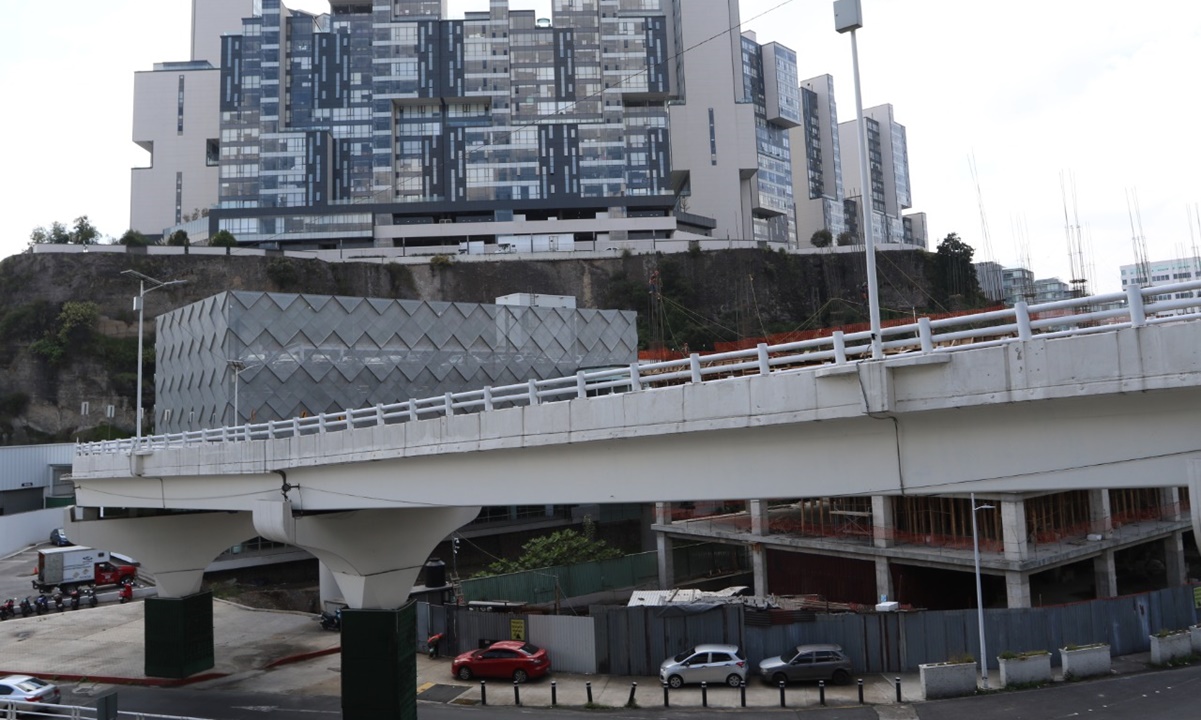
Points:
(13, 709)
(1136, 307)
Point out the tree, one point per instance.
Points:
(133, 238)
(822, 238)
(845, 239)
(179, 238)
(57, 234)
(84, 233)
(564, 547)
(223, 238)
(955, 275)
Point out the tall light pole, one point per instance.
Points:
(979, 593)
(848, 17)
(238, 367)
(139, 303)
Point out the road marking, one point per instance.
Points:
(273, 708)
(424, 686)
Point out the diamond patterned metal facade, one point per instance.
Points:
(308, 354)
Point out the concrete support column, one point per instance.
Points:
(379, 664)
(327, 585)
(1017, 589)
(1015, 535)
(374, 555)
(759, 568)
(667, 564)
(883, 580)
(1173, 559)
(1099, 514)
(1105, 575)
(175, 548)
(760, 523)
(1169, 503)
(882, 523)
(662, 513)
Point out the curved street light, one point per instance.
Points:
(139, 305)
(979, 593)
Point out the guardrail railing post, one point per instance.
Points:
(349, 420)
(926, 334)
(533, 392)
(581, 386)
(488, 398)
(1136, 305)
(449, 404)
(635, 378)
(764, 361)
(379, 414)
(413, 416)
(840, 347)
(1021, 311)
(694, 364)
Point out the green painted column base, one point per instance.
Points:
(379, 664)
(179, 636)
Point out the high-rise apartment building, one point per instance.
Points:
(175, 119)
(817, 162)
(888, 169)
(382, 123)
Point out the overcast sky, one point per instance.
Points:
(1103, 90)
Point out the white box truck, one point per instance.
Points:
(67, 567)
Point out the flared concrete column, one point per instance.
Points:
(374, 555)
(174, 547)
(1173, 559)
(1099, 514)
(327, 585)
(882, 523)
(1105, 575)
(883, 580)
(1014, 534)
(759, 568)
(760, 523)
(1017, 589)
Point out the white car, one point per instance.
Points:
(712, 664)
(26, 689)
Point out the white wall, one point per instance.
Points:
(19, 531)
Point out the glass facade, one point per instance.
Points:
(773, 209)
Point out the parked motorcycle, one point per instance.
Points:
(126, 592)
(74, 598)
(331, 620)
(26, 607)
(90, 594)
(7, 610)
(42, 605)
(58, 600)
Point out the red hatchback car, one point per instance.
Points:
(505, 659)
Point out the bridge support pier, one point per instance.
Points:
(1105, 575)
(379, 664)
(667, 566)
(175, 548)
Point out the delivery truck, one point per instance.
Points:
(74, 566)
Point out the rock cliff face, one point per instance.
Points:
(68, 370)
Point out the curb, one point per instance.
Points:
(113, 680)
(301, 657)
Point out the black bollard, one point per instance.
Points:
(898, 689)
(483, 693)
(781, 693)
(704, 694)
(742, 693)
(860, 691)
(666, 697)
(588, 686)
(516, 693)
(821, 692)
(554, 694)
(633, 689)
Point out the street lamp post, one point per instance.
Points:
(139, 303)
(979, 592)
(848, 17)
(238, 368)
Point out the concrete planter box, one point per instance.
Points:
(1026, 669)
(1194, 634)
(1085, 661)
(947, 680)
(1170, 647)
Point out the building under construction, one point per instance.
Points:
(1035, 549)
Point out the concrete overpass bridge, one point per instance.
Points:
(1085, 393)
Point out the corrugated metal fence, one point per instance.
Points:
(634, 640)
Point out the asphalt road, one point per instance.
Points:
(1161, 694)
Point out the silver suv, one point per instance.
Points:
(808, 662)
(705, 663)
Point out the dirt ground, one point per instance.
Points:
(300, 597)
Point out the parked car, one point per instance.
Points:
(514, 659)
(58, 536)
(705, 663)
(808, 662)
(24, 688)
